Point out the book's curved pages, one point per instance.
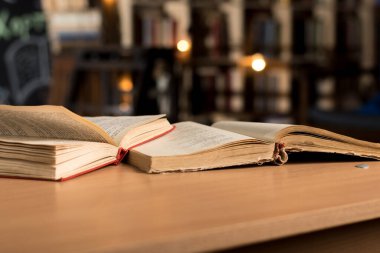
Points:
(192, 146)
(51, 142)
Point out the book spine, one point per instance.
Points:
(174, 33)
(119, 157)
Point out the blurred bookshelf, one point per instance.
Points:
(318, 55)
(72, 24)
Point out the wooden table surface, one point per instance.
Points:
(120, 209)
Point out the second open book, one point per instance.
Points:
(193, 146)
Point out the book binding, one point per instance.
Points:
(119, 157)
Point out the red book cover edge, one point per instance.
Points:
(120, 156)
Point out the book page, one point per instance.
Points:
(51, 151)
(262, 131)
(188, 138)
(118, 127)
(53, 122)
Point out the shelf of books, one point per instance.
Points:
(316, 54)
(347, 79)
(212, 85)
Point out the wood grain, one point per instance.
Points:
(120, 209)
(360, 237)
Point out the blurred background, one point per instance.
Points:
(314, 62)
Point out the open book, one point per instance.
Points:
(51, 142)
(192, 146)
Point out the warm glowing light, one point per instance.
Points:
(183, 46)
(258, 62)
(109, 2)
(125, 83)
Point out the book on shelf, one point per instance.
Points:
(262, 34)
(192, 146)
(73, 28)
(269, 92)
(53, 143)
(154, 28)
(216, 89)
(209, 30)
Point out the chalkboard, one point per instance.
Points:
(24, 53)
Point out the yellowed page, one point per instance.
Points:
(50, 151)
(54, 122)
(118, 127)
(188, 138)
(262, 131)
(303, 138)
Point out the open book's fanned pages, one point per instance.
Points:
(193, 146)
(119, 157)
(51, 158)
(49, 122)
(197, 147)
(51, 142)
(299, 138)
(127, 131)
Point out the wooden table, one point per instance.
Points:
(120, 209)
